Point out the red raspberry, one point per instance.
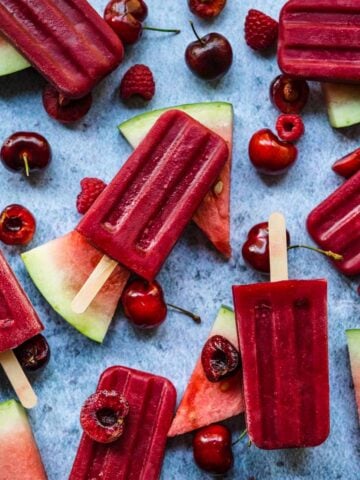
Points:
(260, 30)
(138, 80)
(90, 190)
(290, 127)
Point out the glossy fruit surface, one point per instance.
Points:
(290, 127)
(17, 225)
(212, 449)
(348, 165)
(206, 8)
(125, 17)
(144, 303)
(270, 155)
(34, 353)
(219, 358)
(209, 57)
(26, 152)
(289, 95)
(255, 250)
(65, 110)
(102, 416)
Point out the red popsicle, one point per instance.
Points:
(66, 40)
(139, 452)
(18, 322)
(282, 328)
(335, 225)
(319, 40)
(140, 216)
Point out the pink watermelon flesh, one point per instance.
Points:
(353, 337)
(205, 402)
(19, 456)
(60, 268)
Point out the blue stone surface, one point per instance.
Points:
(194, 276)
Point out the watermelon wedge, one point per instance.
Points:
(11, 60)
(59, 269)
(342, 103)
(19, 456)
(353, 338)
(204, 402)
(213, 215)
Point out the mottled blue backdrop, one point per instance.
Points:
(194, 276)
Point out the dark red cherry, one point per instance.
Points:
(26, 152)
(269, 154)
(206, 8)
(34, 353)
(144, 303)
(62, 109)
(17, 225)
(212, 449)
(219, 358)
(209, 57)
(288, 94)
(255, 250)
(103, 416)
(348, 165)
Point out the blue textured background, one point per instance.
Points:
(194, 275)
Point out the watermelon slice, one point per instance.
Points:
(204, 402)
(19, 456)
(213, 215)
(353, 338)
(11, 60)
(60, 268)
(343, 104)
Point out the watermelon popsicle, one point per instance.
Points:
(282, 329)
(335, 225)
(319, 40)
(138, 454)
(141, 214)
(65, 40)
(18, 323)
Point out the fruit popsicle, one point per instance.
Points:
(335, 225)
(141, 214)
(18, 323)
(282, 329)
(65, 40)
(138, 454)
(319, 40)
(19, 455)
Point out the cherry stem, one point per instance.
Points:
(26, 164)
(195, 317)
(327, 253)
(195, 33)
(155, 29)
(242, 435)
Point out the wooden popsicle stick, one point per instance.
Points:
(93, 284)
(278, 248)
(18, 379)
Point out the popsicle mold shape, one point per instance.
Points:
(139, 452)
(282, 329)
(19, 456)
(319, 40)
(65, 40)
(335, 225)
(141, 214)
(213, 214)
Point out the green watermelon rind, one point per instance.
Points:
(353, 339)
(11, 61)
(129, 128)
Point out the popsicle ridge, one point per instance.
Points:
(68, 42)
(335, 224)
(320, 40)
(138, 454)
